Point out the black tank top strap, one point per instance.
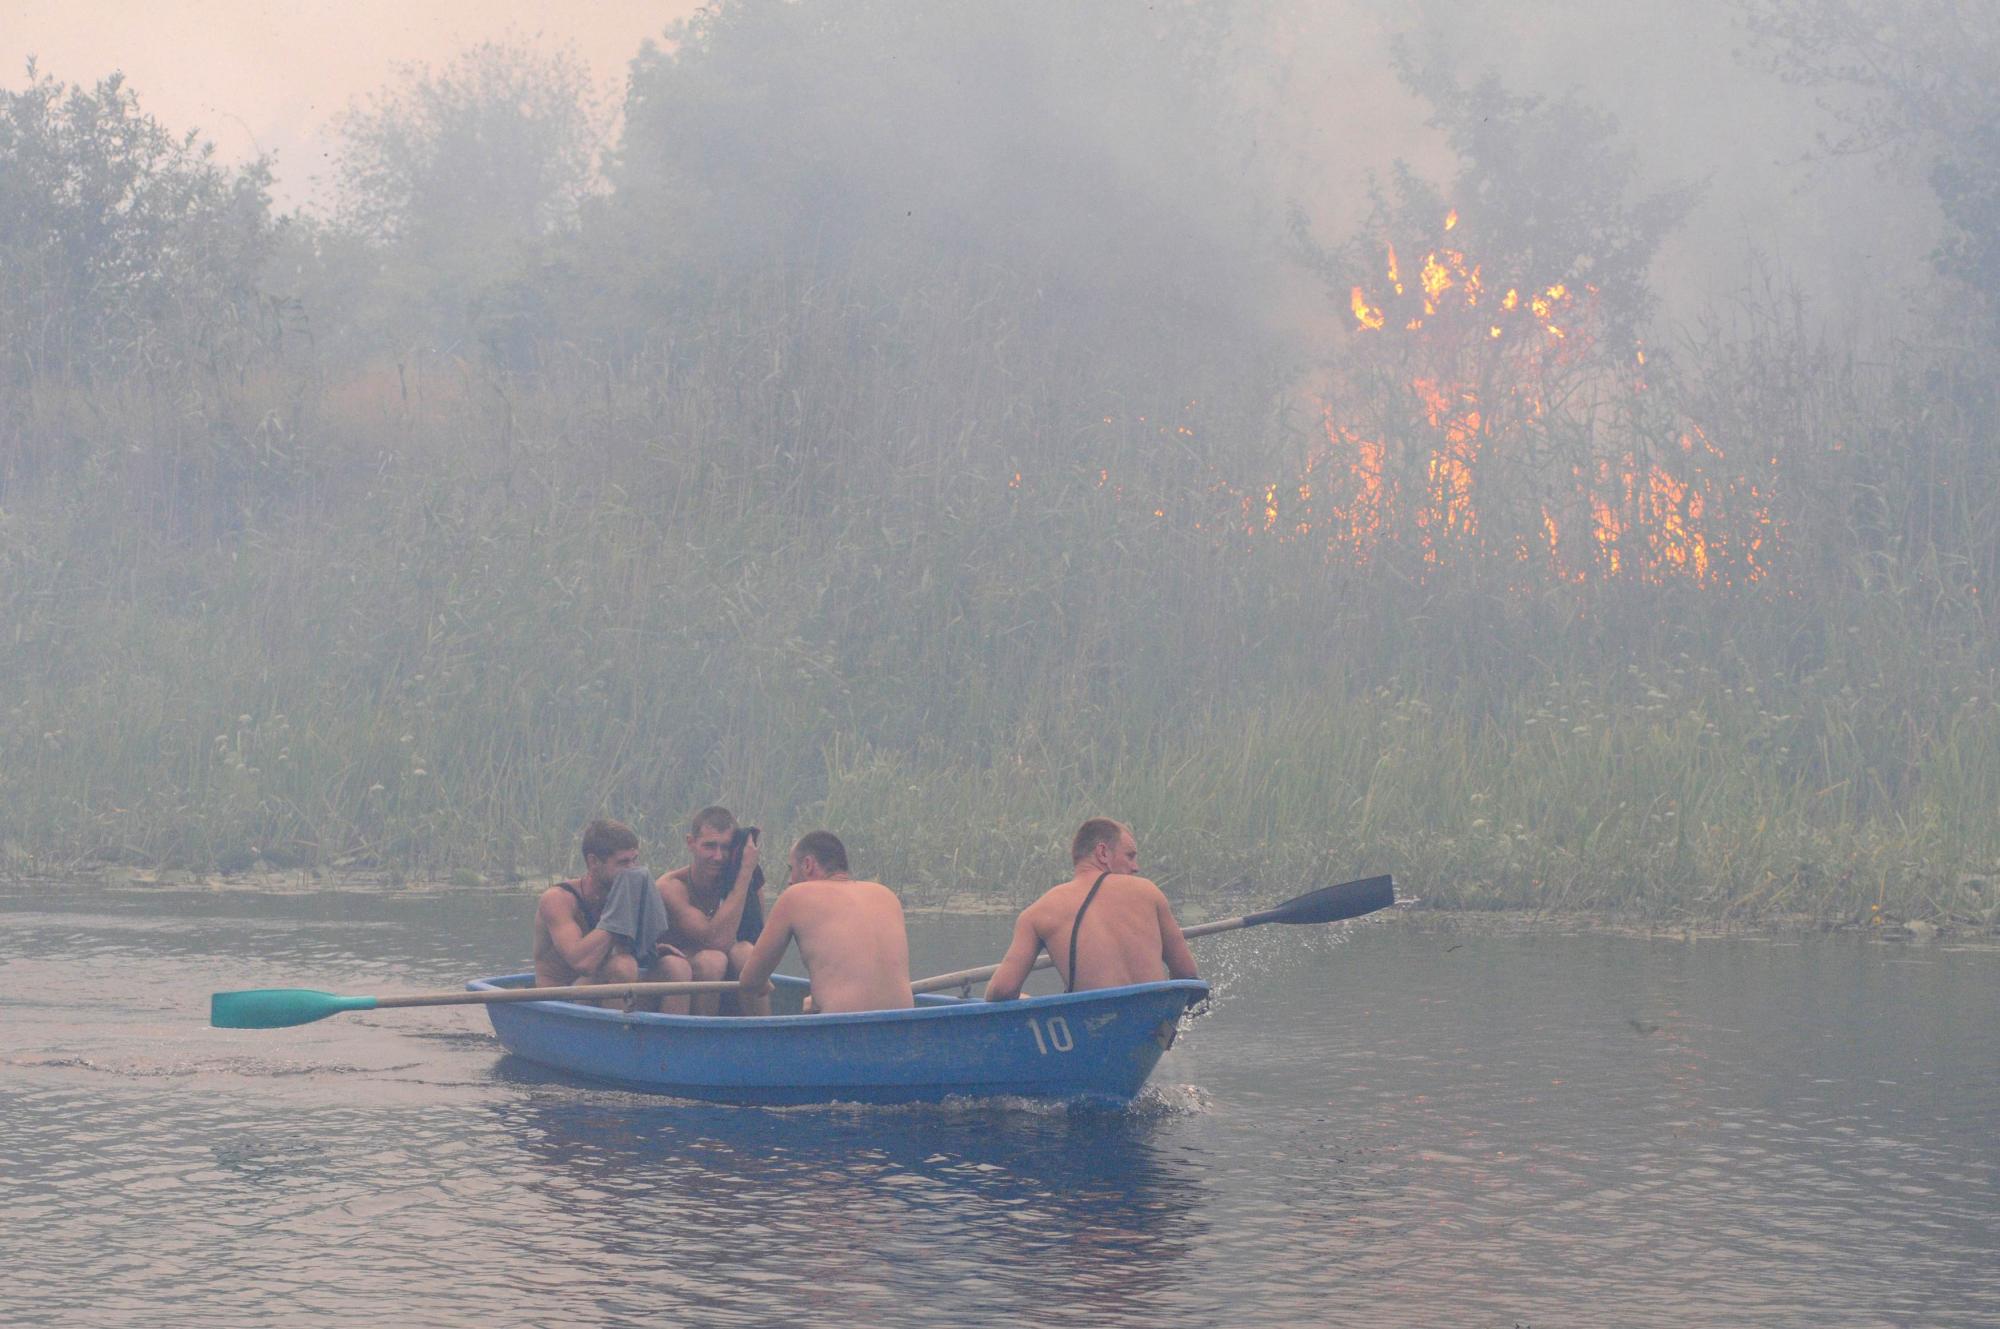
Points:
(589, 914)
(1076, 926)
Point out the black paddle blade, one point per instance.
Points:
(1330, 904)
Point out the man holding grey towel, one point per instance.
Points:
(609, 925)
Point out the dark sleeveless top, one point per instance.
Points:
(1076, 926)
(589, 914)
(751, 925)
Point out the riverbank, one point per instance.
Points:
(1412, 912)
(439, 641)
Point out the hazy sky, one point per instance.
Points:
(269, 75)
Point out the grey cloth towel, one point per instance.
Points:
(634, 913)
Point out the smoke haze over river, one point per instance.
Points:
(1544, 450)
(1854, 232)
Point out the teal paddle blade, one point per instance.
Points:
(275, 1008)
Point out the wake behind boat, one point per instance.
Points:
(1095, 1046)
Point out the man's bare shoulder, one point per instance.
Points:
(1057, 907)
(876, 888)
(555, 901)
(801, 895)
(676, 877)
(1142, 885)
(1057, 901)
(1070, 893)
(814, 896)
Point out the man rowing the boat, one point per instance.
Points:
(705, 910)
(573, 945)
(1105, 927)
(850, 934)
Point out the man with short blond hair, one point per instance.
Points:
(1105, 927)
(1099, 831)
(572, 949)
(705, 910)
(850, 934)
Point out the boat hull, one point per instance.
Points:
(1093, 1046)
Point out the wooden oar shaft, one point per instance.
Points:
(964, 977)
(582, 992)
(1219, 925)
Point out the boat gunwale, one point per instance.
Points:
(938, 1008)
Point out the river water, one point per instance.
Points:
(1374, 1124)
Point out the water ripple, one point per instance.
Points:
(1517, 1130)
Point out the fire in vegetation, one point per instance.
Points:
(1484, 420)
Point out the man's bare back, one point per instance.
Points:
(1128, 934)
(850, 935)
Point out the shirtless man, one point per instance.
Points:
(1128, 935)
(706, 910)
(569, 946)
(850, 934)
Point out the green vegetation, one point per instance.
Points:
(948, 537)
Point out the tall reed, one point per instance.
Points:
(929, 576)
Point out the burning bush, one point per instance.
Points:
(1482, 418)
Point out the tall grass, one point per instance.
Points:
(897, 569)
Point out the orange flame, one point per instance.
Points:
(1641, 518)
(1502, 431)
(1367, 315)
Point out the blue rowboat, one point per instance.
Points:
(1096, 1046)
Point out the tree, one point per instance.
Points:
(460, 175)
(1084, 152)
(122, 247)
(1545, 194)
(1492, 409)
(1913, 81)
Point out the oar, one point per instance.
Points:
(1328, 904)
(277, 1008)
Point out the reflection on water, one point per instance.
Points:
(1401, 1128)
(864, 1213)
